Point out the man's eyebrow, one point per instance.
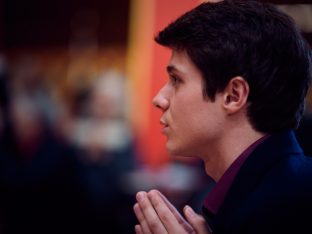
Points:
(171, 69)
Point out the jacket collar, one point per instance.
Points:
(268, 153)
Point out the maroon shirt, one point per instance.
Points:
(216, 196)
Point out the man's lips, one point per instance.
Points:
(165, 126)
(164, 123)
(165, 129)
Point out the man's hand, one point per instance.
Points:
(157, 215)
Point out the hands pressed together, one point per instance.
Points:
(157, 215)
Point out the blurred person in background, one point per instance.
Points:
(39, 175)
(103, 138)
(56, 180)
(238, 77)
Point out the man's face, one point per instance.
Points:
(192, 124)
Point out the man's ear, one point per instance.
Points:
(235, 95)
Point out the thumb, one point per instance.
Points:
(197, 221)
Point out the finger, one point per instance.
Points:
(143, 227)
(138, 229)
(166, 216)
(197, 221)
(177, 214)
(154, 223)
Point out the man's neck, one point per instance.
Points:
(231, 146)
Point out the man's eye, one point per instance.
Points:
(174, 80)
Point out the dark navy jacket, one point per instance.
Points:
(272, 192)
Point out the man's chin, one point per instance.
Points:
(171, 148)
(176, 151)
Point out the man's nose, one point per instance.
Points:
(161, 101)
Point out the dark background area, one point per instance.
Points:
(36, 23)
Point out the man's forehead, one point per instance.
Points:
(179, 62)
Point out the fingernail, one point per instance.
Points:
(139, 196)
(189, 211)
(136, 206)
(137, 228)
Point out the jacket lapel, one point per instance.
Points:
(256, 166)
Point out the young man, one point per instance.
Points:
(238, 77)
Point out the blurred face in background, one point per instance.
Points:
(26, 120)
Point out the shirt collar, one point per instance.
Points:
(217, 195)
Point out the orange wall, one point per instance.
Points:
(147, 71)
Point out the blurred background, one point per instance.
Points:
(78, 134)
